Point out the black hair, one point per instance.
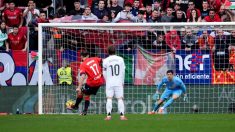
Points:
(76, 1)
(191, 1)
(15, 26)
(3, 30)
(111, 50)
(211, 10)
(84, 53)
(141, 12)
(128, 4)
(170, 71)
(11, 1)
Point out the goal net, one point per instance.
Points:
(201, 54)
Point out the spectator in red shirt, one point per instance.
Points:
(13, 16)
(2, 3)
(90, 67)
(132, 2)
(191, 6)
(206, 41)
(16, 40)
(215, 4)
(213, 17)
(173, 40)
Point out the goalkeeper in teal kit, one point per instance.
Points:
(174, 88)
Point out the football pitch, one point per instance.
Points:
(136, 123)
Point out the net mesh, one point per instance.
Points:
(202, 56)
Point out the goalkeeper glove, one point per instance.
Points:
(155, 96)
(185, 98)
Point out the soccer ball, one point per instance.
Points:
(195, 108)
(70, 103)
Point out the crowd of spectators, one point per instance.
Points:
(19, 21)
(148, 10)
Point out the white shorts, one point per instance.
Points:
(116, 90)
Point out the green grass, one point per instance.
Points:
(136, 123)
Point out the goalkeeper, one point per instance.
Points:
(174, 88)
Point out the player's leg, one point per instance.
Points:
(87, 91)
(78, 101)
(175, 95)
(156, 106)
(108, 108)
(109, 95)
(87, 104)
(121, 108)
(119, 95)
(163, 97)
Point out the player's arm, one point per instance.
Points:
(159, 85)
(21, 20)
(183, 87)
(7, 46)
(3, 16)
(26, 11)
(123, 72)
(100, 61)
(104, 69)
(81, 81)
(26, 44)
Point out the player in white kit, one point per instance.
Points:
(114, 74)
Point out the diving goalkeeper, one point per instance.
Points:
(174, 88)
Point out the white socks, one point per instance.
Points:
(121, 106)
(109, 106)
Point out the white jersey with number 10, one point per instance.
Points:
(114, 71)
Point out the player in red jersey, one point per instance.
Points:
(91, 70)
(16, 40)
(12, 16)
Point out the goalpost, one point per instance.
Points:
(205, 64)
